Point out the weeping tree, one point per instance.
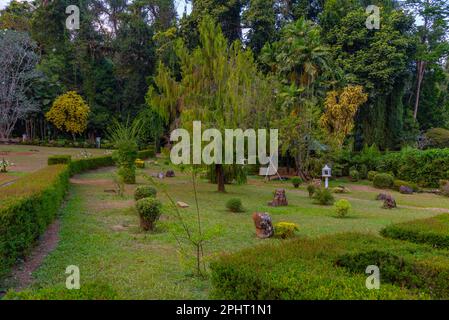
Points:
(18, 60)
(220, 86)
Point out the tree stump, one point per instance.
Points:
(279, 199)
(264, 226)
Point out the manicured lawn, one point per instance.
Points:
(100, 231)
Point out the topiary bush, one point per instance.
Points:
(285, 230)
(234, 205)
(371, 175)
(323, 197)
(144, 192)
(149, 210)
(383, 180)
(342, 208)
(296, 181)
(354, 175)
(311, 190)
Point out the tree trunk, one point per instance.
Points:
(420, 75)
(219, 172)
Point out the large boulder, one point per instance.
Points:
(170, 174)
(389, 202)
(405, 190)
(263, 224)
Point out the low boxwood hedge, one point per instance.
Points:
(315, 269)
(81, 165)
(58, 159)
(433, 231)
(26, 208)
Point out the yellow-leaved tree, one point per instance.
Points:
(69, 113)
(341, 107)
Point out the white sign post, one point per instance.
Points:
(326, 173)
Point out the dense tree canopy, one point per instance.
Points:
(140, 57)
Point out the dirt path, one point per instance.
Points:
(22, 273)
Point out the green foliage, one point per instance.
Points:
(298, 269)
(59, 159)
(354, 175)
(149, 210)
(285, 230)
(342, 208)
(144, 192)
(383, 180)
(439, 137)
(234, 205)
(371, 174)
(146, 153)
(424, 167)
(81, 165)
(87, 291)
(311, 190)
(398, 183)
(433, 231)
(27, 207)
(296, 181)
(323, 197)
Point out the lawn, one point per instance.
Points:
(100, 233)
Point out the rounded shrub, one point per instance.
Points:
(296, 181)
(371, 175)
(383, 180)
(144, 192)
(363, 171)
(149, 210)
(311, 190)
(234, 205)
(285, 230)
(324, 197)
(342, 208)
(354, 175)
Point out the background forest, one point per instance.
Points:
(311, 68)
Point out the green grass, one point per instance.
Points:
(147, 265)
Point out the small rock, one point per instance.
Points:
(182, 204)
(160, 175)
(405, 190)
(170, 174)
(382, 196)
(118, 228)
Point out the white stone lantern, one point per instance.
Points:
(326, 174)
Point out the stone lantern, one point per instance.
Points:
(326, 174)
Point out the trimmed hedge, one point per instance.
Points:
(309, 269)
(81, 165)
(433, 231)
(383, 180)
(146, 153)
(59, 159)
(27, 207)
(424, 167)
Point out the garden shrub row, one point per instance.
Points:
(433, 231)
(27, 207)
(320, 268)
(424, 167)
